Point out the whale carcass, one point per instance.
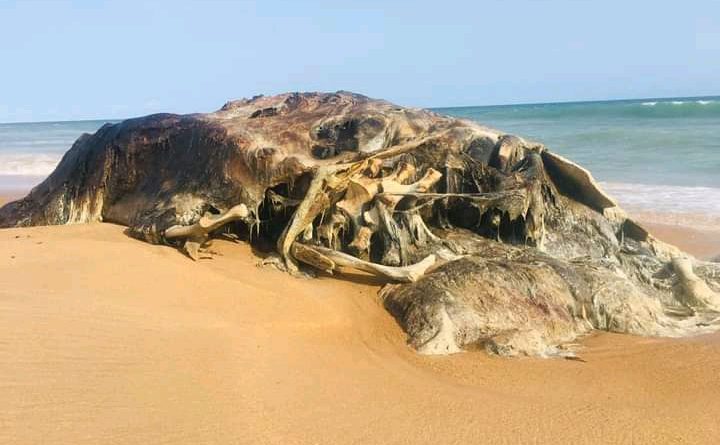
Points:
(484, 239)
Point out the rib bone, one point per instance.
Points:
(329, 260)
(393, 191)
(330, 180)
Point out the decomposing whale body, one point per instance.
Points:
(485, 239)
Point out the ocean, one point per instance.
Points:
(654, 155)
(30, 151)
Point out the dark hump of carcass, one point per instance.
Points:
(138, 160)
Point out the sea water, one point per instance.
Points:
(654, 155)
(31, 151)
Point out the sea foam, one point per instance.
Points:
(28, 164)
(701, 202)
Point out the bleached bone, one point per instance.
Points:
(331, 179)
(393, 190)
(361, 190)
(491, 196)
(695, 291)
(329, 260)
(197, 234)
(390, 194)
(208, 223)
(317, 199)
(374, 168)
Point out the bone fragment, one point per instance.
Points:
(693, 288)
(197, 235)
(329, 260)
(207, 223)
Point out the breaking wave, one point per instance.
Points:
(678, 102)
(705, 107)
(699, 105)
(34, 149)
(666, 198)
(28, 164)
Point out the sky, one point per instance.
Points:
(93, 59)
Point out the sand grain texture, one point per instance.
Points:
(104, 339)
(703, 243)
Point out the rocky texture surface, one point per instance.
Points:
(492, 241)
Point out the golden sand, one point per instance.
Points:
(108, 340)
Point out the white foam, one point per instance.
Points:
(28, 164)
(666, 198)
(677, 102)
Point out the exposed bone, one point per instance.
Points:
(471, 196)
(374, 168)
(197, 234)
(421, 230)
(329, 260)
(316, 200)
(330, 179)
(361, 190)
(366, 223)
(208, 223)
(312, 257)
(393, 188)
(695, 291)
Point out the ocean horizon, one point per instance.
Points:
(658, 155)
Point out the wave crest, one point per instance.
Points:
(667, 199)
(27, 164)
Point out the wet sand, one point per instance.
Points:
(704, 244)
(104, 339)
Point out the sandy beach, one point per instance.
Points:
(109, 340)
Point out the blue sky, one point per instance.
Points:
(93, 59)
